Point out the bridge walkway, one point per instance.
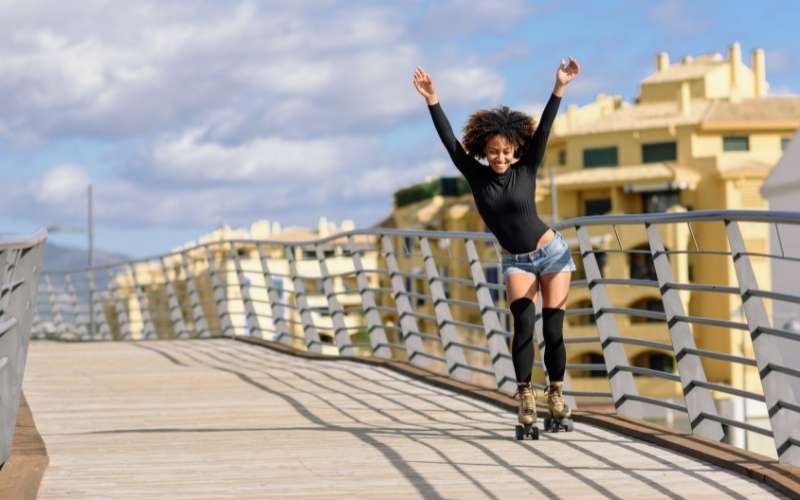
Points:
(225, 419)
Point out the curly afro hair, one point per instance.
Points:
(484, 124)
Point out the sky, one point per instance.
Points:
(186, 115)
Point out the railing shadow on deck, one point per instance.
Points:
(341, 382)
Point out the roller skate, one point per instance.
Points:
(559, 418)
(527, 412)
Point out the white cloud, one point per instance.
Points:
(226, 110)
(471, 83)
(61, 184)
(148, 68)
(189, 157)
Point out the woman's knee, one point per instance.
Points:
(524, 313)
(553, 326)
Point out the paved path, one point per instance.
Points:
(224, 419)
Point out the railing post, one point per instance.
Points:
(81, 316)
(776, 356)
(454, 353)
(408, 324)
(219, 289)
(621, 382)
(699, 402)
(72, 303)
(341, 334)
(251, 318)
(498, 348)
(198, 315)
(97, 312)
(121, 310)
(276, 309)
(310, 333)
(55, 307)
(377, 335)
(148, 329)
(174, 306)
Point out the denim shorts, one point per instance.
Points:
(551, 258)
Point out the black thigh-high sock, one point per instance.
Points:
(524, 313)
(555, 355)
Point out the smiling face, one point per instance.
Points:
(500, 153)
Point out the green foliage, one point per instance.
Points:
(445, 186)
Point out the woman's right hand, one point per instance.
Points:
(424, 85)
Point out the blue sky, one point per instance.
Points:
(187, 115)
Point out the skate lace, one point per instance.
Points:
(554, 396)
(526, 398)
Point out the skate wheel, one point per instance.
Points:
(520, 432)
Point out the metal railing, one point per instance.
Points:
(701, 344)
(20, 265)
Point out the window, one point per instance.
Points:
(599, 206)
(600, 157)
(562, 156)
(420, 288)
(592, 358)
(659, 151)
(784, 143)
(602, 260)
(736, 143)
(313, 286)
(444, 273)
(580, 271)
(641, 264)
(655, 361)
(581, 319)
(493, 278)
(648, 305)
(408, 245)
(350, 283)
(659, 201)
(415, 286)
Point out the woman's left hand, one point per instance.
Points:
(567, 71)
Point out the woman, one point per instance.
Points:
(504, 195)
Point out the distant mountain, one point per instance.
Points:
(61, 258)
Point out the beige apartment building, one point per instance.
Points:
(224, 311)
(702, 134)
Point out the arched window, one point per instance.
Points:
(655, 360)
(640, 264)
(590, 358)
(648, 304)
(583, 319)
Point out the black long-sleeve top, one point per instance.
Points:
(506, 201)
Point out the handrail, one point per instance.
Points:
(440, 295)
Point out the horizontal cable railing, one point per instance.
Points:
(668, 315)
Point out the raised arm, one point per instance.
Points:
(534, 151)
(424, 85)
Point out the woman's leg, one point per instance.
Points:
(555, 287)
(521, 291)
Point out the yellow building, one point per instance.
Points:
(702, 134)
(224, 313)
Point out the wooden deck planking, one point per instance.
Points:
(222, 419)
